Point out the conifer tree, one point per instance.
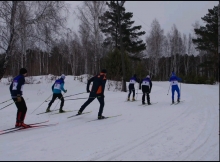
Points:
(207, 39)
(130, 35)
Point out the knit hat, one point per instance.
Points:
(148, 76)
(173, 73)
(134, 75)
(104, 71)
(23, 71)
(63, 76)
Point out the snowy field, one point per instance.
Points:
(188, 131)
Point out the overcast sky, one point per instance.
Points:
(181, 13)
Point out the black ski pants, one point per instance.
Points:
(92, 96)
(131, 89)
(22, 109)
(57, 95)
(145, 90)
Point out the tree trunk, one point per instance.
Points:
(11, 39)
(122, 55)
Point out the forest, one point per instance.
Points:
(33, 34)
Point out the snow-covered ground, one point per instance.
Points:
(188, 131)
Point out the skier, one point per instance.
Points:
(174, 82)
(57, 88)
(16, 90)
(131, 87)
(146, 89)
(97, 91)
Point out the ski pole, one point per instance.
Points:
(42, 103)
(68, 96)
(82, 98)
(7, 105)
(5, 101)
(168, 90)
(137, 94)
(75, 94)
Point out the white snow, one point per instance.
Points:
(188, 131)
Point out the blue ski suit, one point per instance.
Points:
(174, 83)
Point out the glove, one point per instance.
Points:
(65, 91)
(18, 98)
(88, 91)
(139, 87)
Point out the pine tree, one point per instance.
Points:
(208, 38)
(130, 35)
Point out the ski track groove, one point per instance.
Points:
(121, 150)
(203, 134)
(157, 132)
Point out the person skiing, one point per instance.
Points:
(16, 90)
(131, 87)
(57, 89)
(146, 85)
(97, 91)
(174, 82)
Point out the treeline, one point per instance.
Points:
(34, 36)
(190, 68)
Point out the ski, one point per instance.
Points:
(175, 103)
(47, 112)
(28, 124)
(64, 112)
(80, 114)
(178, 102)
(33, 126)
(150, 104)
(104, 118)
(147, 104)
(132, 101)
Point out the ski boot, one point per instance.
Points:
(101, 117)
(17, 124)
(143, 103)
(128, 99)
(133, 99)
(172, 102)
(79, 113)
(178, 100)
(61, 111)
(48, 110)
(21, 124)
(25, 125)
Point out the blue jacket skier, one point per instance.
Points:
(146, 89)
(131, 87)
(16, 90)
(57, 89)
(174, 83)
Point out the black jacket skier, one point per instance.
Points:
(146, 89)
(97, 91)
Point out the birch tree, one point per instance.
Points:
(17, 17)
(175, 44)
(89, 15)
(8, 12)
(155, 44)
